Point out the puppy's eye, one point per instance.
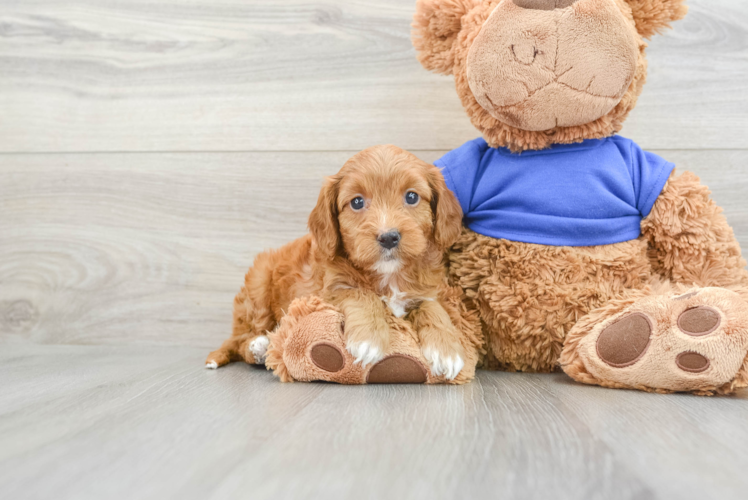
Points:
(357, 203)
(412, 198)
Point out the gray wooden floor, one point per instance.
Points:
(148, 150)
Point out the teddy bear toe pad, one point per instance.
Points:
(694, 342)
(692, 362)
(624, 342)
(327, 357)
(398, 369)
(393, 369)
(699, 321)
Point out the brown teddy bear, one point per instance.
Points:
(580, 250)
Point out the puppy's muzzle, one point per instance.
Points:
(389, 240)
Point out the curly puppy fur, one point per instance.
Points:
(445, 30)
(345, 261)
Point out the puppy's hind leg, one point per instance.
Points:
(228, 352)
(246, 343)
(251, 350)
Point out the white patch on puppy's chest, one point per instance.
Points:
(396, 302)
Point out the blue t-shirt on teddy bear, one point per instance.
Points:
(592, 193)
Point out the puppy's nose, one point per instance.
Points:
(544, 4)
(389, 240)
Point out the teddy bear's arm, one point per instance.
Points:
(690, 241)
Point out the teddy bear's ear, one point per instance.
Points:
(436, 25)
(653, 16)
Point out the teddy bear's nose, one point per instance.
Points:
(543, 4)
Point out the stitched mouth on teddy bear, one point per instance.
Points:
(539, 69)
(584, 107)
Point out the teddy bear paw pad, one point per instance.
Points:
(397, 369)
(327, 357)
(694, 342)
(699, 321)
(624, 342)
(692, 362)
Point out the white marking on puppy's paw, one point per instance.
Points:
(259, 348)
(449, 366)
(365, 353)
(211, 365)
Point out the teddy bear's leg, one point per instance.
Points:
(694, 340)
(309, 345)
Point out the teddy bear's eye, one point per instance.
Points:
(357, 203)
(412, 198)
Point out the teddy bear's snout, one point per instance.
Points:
(541, 64)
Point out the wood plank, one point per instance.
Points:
(149, 422)
(286, 75)
(151, 248)
(663, 437)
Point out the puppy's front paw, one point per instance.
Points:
(365, 352)
(447, 362)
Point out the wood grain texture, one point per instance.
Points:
(151, 248)
(80, 422)
(117, 269)
(232, 75)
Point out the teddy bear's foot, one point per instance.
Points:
(309, 345)
(393, 369)
(398, 369)
(694, 342)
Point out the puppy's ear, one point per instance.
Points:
(446, 209)
(653, 16)
(436, 25)
(323, 221)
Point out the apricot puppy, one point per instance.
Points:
(377, 241)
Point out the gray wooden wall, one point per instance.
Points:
(148, 150)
